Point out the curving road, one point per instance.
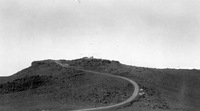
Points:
(134, 95)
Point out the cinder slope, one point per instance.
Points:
(48, 86)
(114, 106)
(165, 89)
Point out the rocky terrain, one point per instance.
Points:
(46, 83)
(47, 86)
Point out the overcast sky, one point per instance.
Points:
(149, 33)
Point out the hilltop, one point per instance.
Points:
(47, 85)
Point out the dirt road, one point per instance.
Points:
(134, 95)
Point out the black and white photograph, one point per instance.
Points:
(99, 55)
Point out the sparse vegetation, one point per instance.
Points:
(23, 84)
(166, 89)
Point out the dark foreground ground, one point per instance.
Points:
(47, 86)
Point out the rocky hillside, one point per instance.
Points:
(47, 85)
(166, 89)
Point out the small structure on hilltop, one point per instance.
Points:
(91, 57)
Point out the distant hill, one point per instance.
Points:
(47, 85)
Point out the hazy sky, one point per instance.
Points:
(150, 33)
